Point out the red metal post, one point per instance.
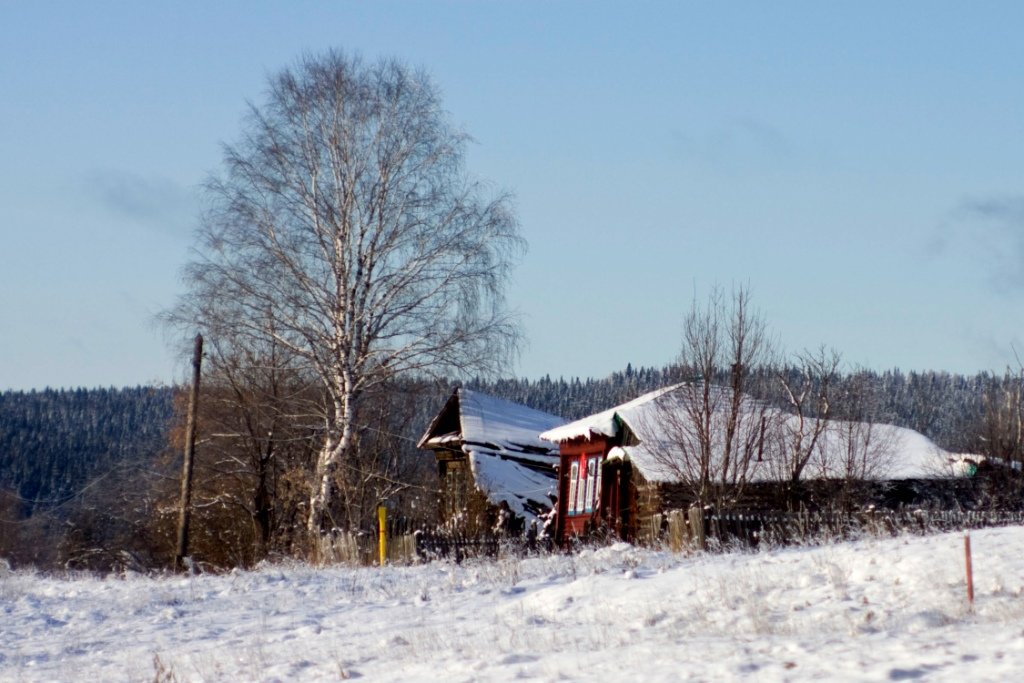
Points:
(970, 571)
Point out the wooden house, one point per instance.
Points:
(616, 470)
(598, 486)
(494, 469)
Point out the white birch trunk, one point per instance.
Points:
(328, 458)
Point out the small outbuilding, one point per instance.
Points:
(494, 469)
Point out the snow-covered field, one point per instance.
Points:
(878, 609)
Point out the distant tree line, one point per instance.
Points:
(65, 451)
(54, 441)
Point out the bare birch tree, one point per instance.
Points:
(345, 229)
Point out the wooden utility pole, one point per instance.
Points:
(184, 514)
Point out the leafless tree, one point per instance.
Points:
(715, 433)
(1002, 422)
(806, 393)
(256, 421)
(855, 448)
(345, 230)
(1000, 437)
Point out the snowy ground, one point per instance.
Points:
(890, 609)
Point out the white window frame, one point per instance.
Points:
(574, 473)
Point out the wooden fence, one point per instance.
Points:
(409, 541)
(697, 528)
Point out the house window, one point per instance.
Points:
(593, 483)
(574, 475)
(584, 491)
(581, 489)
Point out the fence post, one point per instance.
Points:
(382, 522)
(697, 525)
(675, 530)
(970, 571)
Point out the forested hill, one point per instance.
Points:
(575, 398)
(52, 442)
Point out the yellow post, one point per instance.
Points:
(382, 520)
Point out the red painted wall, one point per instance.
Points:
(579, 486)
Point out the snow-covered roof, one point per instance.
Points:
(509, 461)
(659, 421)
(605, 423)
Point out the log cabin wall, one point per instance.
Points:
(648, 504)
(618, 512)
(461, 506)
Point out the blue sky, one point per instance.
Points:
(859, 165)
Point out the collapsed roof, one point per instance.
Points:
(509, 461)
